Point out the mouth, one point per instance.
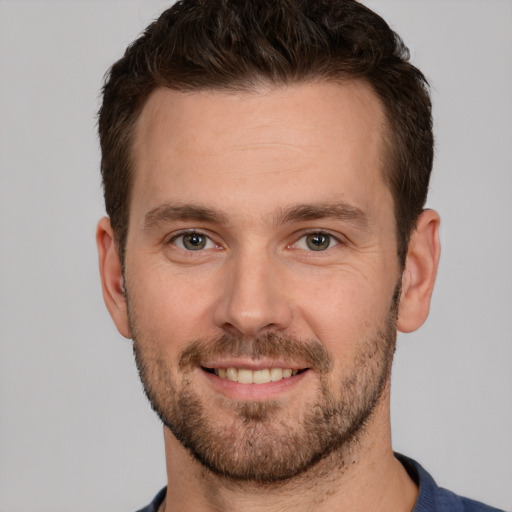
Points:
(260, 376)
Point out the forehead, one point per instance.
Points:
(303, 142)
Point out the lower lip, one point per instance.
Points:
(265, 391)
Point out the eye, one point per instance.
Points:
(193, 241)
(316, 242)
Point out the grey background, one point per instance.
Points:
(75, 430)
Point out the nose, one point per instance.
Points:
(253, 299)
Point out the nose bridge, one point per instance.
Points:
(253, 298)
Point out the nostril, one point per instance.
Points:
(251, 304)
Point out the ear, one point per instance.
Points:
(111, 277)
(420, 272)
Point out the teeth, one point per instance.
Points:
(245, 376)
(276, 374)
(232, 374)
(259, 376)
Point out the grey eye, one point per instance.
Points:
(318, 241)
(193, 241)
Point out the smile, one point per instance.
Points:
(261, 376)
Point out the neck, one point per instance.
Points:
(366, 476)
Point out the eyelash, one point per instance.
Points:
(190, 232)
(333, 241)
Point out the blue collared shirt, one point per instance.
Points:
(432, 498)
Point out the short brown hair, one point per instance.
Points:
(240, 44)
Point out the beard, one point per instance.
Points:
(263, 442)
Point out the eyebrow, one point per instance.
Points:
(171, 212)
(297, 213)
(341, 211)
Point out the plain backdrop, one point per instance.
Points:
(76, 432)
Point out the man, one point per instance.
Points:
(265, 167)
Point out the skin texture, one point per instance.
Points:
(255, 174)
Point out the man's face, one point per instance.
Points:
(262, 243)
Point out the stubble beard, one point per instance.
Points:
(260, 442)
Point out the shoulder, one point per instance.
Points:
(432, 498)
(157, 501)
(450, 501)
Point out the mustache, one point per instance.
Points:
(311, 353)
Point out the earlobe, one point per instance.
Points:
(112, 277)
(420, 272)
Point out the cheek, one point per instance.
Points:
(345, 309)
(169, 310)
